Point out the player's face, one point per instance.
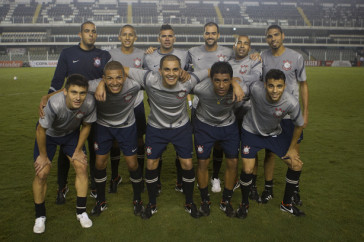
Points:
(88, 36)
(211, 35)
(166, 39)
(274, 89)
(274, 38)
(221, 83)
(127, 37)
(114, 80)
(242, 47)
(75, 95)
(170, 72)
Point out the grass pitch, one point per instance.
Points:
(331, 182)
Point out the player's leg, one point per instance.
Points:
(203, 182)
(139, 113)
(92, 159)
(178, 187)
(217, 157)
(269, 161)
(115, 160)
(136, 181)
(100, 183)
(253, 194)
(63, 166)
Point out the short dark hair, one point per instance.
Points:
(114, 65)
(211, 24)
(76, 80)
(166, 27)
(87, 22)
(169, 58)
(275, 74)
(221, 68)
(127, 26)
(274, 26)
(237, 39)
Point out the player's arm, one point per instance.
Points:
(44, 100)
(292, 153)
(42, 160)
(255, 56)
(304, 99)
(150, 50)
(238, 93)
(79, 155)
(60, 74)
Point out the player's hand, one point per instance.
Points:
(255, 56)
(100, 93)
(185, 76)
(150, 50)
(238, 93)
(40, 163)
(80, 156)
(43, 103)
(292, 158)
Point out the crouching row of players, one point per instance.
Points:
(168, 122)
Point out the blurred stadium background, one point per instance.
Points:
(35, 31)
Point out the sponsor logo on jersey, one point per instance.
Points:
(149, 150)
(96, 146)
(243, 69)
(80, 114)
(137, 62)
(246, 150)
(287, 65)
(278, 113)
(182, 94)
(75, 61)
(200, 149)
(97, 62)
(128, 97)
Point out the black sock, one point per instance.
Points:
(188, 181)
(245, 183)
(115, 160)
(217, 156)
(141, 155)
(100, 182)
(63, 166)
(226, 195)
(136, 181)
(81, 205)
(254, 182)
(151, 179)
(40, 210)
(92, 155)
(179, 170)
(159, 171)
(292, 178)
(204, 192)
(268, 185)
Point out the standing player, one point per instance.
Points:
(89, 61)
(129, 56)
(292, 65)
(64, 114)
(215, 121)
(202, 57)
(262, 130)
(116, 121)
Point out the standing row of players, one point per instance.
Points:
(89, 61)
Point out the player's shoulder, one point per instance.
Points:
(224, 48)
(196, 49)
(102, 52)
(56, 102)
(292, 52)
(290, 99)
(115, 51)
(89, 101)
(265, 52)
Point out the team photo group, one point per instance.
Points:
(209, 100)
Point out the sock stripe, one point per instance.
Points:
(245, 184)
(294, 182)
(100, 180)
(151, 180)
(80, 207)
(136, 180)
(188, 180)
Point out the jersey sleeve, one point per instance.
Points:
(301, 71)
(92, 85)
(60, 74)
(254, 74)
(138, 75)
(296, 114)
(198, 76)
(91, 116)
(49, 116)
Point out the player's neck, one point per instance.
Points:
(165, 51)
(238, 58)
(279, 51)
(86, 47)
(211, 48)
(128, 50)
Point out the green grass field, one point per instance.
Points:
(331, 183)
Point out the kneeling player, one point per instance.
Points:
(262, 130)
(64, 114)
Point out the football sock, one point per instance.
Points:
(292, 178)
(136, 181)
(81, 205)
(179, 170)
(159, 171)
(188, 181)
(100, 182)
(268, 185)
(254, 181)
(226, 195)
(141, 155)
(63, 166)
(217, 156)
(92, 155)
(245, 183)
(40, 209)
(204, 192)
(115, 160)
(151, 179)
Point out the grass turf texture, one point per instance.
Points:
(331, 183)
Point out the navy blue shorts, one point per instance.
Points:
(206, 136)
(141, 123)
(288, 127)
(126, 138)
(252, 143)
(156, 141)
(68, 144)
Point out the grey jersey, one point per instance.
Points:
(167, 105)
(118, 109)
(291, 63)
(152, 61)
(133, 60)
(60, 121)
(201, 59)
(264, 117)
(213, 109)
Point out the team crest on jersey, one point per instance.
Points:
(246, 150)
(97, 62)
(137, 62)
(149, 150)
(278, 113)
(221, 58)
(200, 149)
(127, 98)
(243, 69)
(80, 115)
(287, 65)
(181, 94)
(96, 146)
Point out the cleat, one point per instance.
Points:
(215, 183)
(289, 208)
(253, 194)
(114, 184)
(242, 211)
(227, 208)
(178, 188)
(267, 195)
(39, 225)
(236, 186)
(296, 198)
(205, 208)
(93, 194)
(61, 195)
(138, 207)
(99, 208)
(192, 210)
(149, 211)
(85, 221)
(159, 189)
